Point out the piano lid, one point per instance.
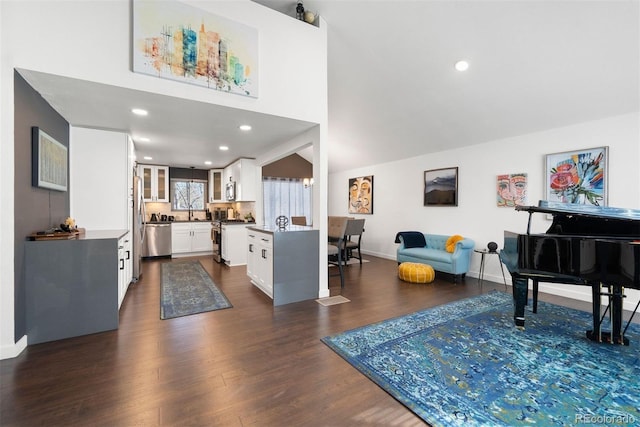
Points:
(545, 206)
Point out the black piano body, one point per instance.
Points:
(585, 245)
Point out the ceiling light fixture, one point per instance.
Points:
(144, 139)
(462, 65)
(139, 111)
(245, 127)
(207, 162)
(148, 158)
(223, 148)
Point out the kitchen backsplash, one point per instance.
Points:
(240, 208)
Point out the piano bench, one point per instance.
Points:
(414, 272)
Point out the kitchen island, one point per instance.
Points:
(283, 263)
(75, 287)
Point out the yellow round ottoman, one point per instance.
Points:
(416, 273)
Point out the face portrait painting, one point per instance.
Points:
(361, 195)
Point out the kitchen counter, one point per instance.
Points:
(178, 220)
(237, 223)
(271, 229)
(102, 234)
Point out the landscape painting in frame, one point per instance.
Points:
(361, 195)
(441, 187)
(176, 41)
(511, 190)
(578, 177)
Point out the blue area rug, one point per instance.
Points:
(465, 363)
(186, 288)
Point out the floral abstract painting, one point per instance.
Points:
(361, 195)
(176, 41)
(578, 177)
(512, 190)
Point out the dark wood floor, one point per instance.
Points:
(251, 365)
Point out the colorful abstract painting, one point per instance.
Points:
(441, 187)
(361, 195)
(578, 177)
(179, 42)
(512, 190)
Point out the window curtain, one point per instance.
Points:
(285, 196)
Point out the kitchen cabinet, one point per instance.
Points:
(74, 287)
(101, 179)
(234, 240)
(284, 263)
(125, 266)
(259, 260)
(155, 182)
(216, 192)
(190, 238)
(244, 173)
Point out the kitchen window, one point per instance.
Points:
(188, 195)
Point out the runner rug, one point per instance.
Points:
(465, 363)
(186, 288)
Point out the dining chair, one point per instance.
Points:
(354, 229)
(335, 248)
(299, 220)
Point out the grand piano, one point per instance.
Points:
(586, 245)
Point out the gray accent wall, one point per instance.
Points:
(36, 209)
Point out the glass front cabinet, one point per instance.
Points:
(155, 182)
(216, 195)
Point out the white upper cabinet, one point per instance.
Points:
(243, 173)
(155, 182)
(216, 191)
(101, 166)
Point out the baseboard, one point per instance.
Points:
(11, 351)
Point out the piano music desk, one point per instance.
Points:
(482, 253)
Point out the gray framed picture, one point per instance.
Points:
(50, 161)
(441, 187)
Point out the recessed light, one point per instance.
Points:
(207, 162)
(139, 111)
(245, 127)
(148, 158)
(462, 65)
(223, 148)
(143, 139)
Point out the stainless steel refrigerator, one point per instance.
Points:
(138, 227)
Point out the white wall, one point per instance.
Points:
(90, 40)
(398, 189)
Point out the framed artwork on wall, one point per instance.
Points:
(578, 177)
(173, 40)
(511, 190)
(361, 195)
(441, 187)
(50, 161)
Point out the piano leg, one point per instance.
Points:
(616, 296)
(520, 293)
(596, 333)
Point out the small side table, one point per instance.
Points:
(482, 253)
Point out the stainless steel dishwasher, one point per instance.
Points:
(157, 240)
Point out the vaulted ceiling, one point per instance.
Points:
(533, 65)
(393, 89)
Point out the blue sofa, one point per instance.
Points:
(434, 252)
